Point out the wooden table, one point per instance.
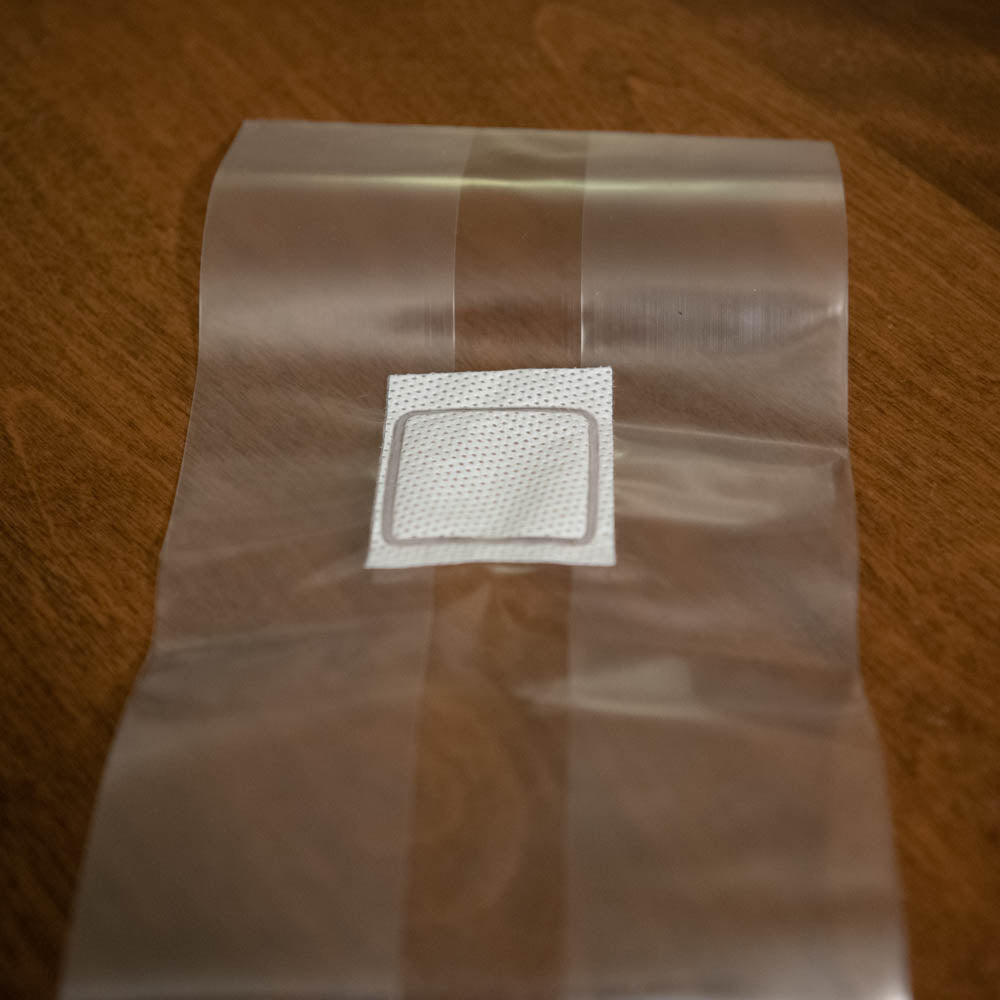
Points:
(113, 118)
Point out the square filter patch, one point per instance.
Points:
(499, 466)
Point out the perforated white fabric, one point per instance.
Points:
(498, 466)
(493, 474)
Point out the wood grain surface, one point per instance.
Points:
(113, 118)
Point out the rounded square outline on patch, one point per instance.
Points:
(395, 457)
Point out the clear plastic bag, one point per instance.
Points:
(653, 779)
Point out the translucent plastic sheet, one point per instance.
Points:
(657, 779)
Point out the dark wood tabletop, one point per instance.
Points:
(113, 119)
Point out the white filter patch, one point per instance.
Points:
(499, 466)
